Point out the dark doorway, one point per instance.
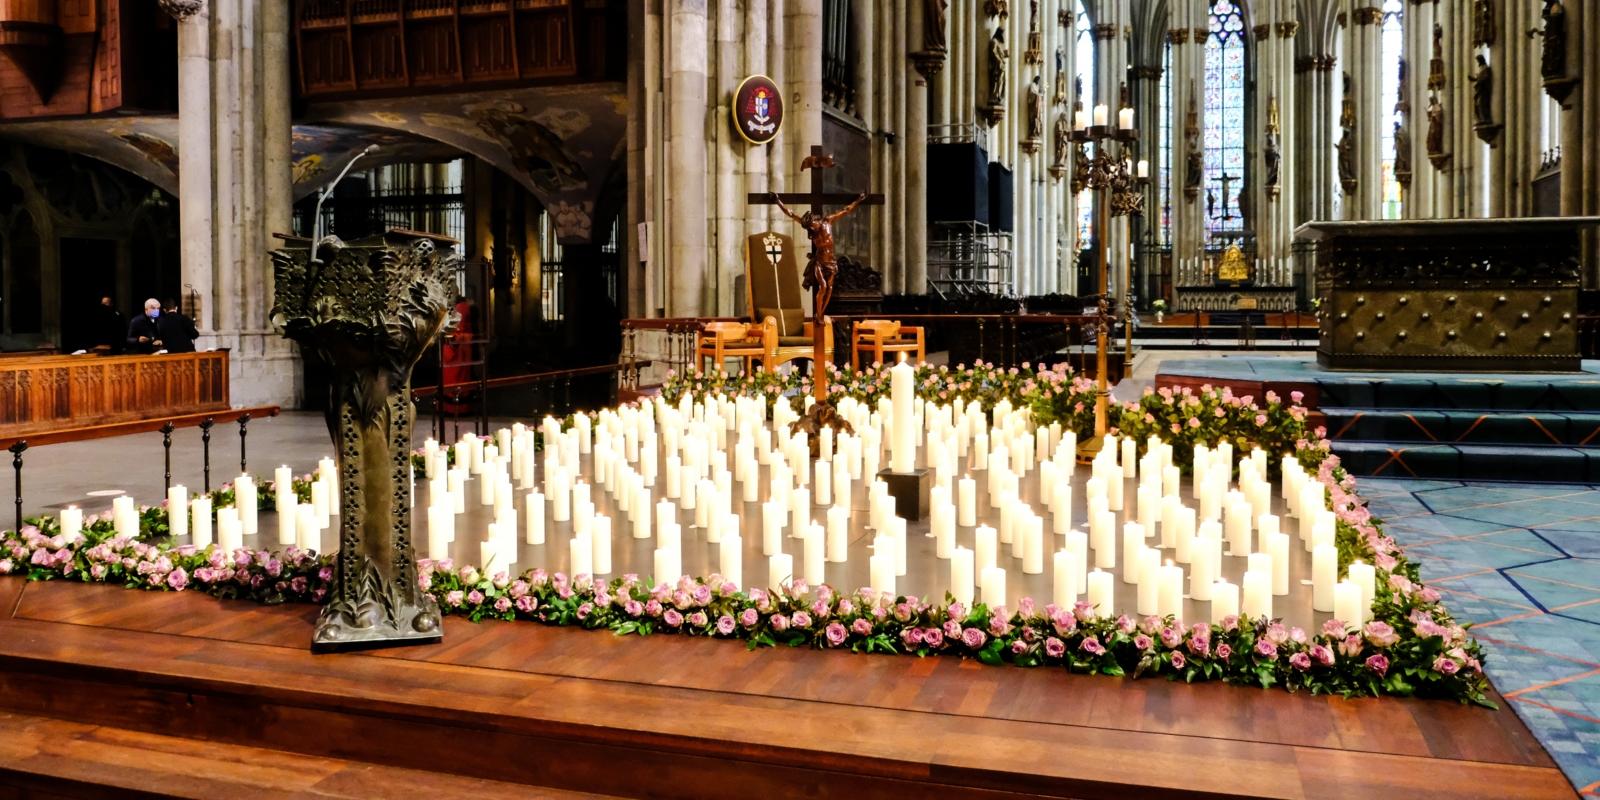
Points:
(88, 273)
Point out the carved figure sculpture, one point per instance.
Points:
(1035, 110)
(822, 266)
(1483, 27)
(1553, 60)
(999, 56)
(1435, 138)
(1483, 92)
(933, 17)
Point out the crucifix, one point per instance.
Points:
(821, 266)
(1227, 184)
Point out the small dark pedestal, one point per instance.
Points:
(910, 492)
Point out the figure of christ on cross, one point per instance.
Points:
(822, 266)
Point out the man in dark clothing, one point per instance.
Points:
(107, 329)
(143, 334)
(177, 330)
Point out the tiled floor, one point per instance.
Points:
(1522, 563)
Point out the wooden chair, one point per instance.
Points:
(720, 341)
(879, 336)
(776, 301)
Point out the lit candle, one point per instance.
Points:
(1347, 604)
(1130, 450)
(1324, 576)
(245, 499)
(1364, 576)
(177, 504)
(994, 587)
(581, 553)
(1033, 546)
(668, 564)
(1205, 560)
(984, 544)
(1102, 533)
(814, 554)
(600, 538)
(1080, 119)
(308, 531)
(1101, 592)
(1149, 594)
(1278, 547)
(1237, 524)
(1144, 168)
(1224, 601)
(903, 454)
(773, 515)
(439, 519)
(200, 529)
(731, 561)
(1102, 114)
(1169, 601)
(72, 522)
(1257, 593)
(1062, 522)
(823, 482)
(1133, 545)
(881, 566)
(961, 572)
(838, 534)
(283, 479)
(1125, 119)
(780, 569)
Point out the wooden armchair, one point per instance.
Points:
(720, 341)
(878, 336)
(776, 301)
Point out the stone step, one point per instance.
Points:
(1458, 426)
(1459, 392)
(1542, 463)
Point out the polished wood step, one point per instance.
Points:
(41, 757)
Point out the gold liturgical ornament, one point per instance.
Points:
(1234, 268)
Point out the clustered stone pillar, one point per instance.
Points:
(234, 183)
(686, 111)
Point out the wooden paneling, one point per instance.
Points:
(348, 46)
(44, 393)
(92, 58)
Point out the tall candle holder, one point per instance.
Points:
(1120, 191)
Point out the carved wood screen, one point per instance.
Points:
(46, 393)
(346, 46)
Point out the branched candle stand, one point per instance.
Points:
(1121, 188)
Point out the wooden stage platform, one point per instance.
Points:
(670, 716)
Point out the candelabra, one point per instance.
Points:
(1119, 187)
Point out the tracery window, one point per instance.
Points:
(1083, 68)
(1164, 156)
(1392, 40)
(1224, 116)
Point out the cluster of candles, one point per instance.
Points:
(709, 457)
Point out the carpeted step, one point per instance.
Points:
(1451, 426)
(1543, 463)
(1462, 392)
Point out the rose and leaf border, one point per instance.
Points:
(1412, 647)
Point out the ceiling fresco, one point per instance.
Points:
(561, 143)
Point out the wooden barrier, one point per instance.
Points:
(41, 394)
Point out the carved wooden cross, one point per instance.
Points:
(816, 199)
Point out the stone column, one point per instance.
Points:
(916, 159)
(730, 150)
(198, 245)
(686, 131)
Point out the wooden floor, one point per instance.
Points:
(668, 716)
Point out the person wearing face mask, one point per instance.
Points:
(177, 331)
(144, 334)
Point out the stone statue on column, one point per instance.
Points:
(1483, 98)
(1553, 60)
(1436, 76)
(997, 8)
(1061, 76)
(933, 18)
(1483, 25)
(1035, 114)
(1435, 140)
(1270, 154)
(1402, 127)
(1194, 167)
(1063, 143)
(1346, 147)
(1035, 52)
(999, 58)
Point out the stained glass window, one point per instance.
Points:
(1164, 156)
(1083, 67)
(1223, 139)
(1393, 38)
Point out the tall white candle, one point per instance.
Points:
(580, 551)
(838, 534)
(903, 455)
(1102, 536)
(308, 528)
(72, 522)
(780, 569)
(731, 558)
(1278, 547)
(245, 496)
(1101, 594)
(600, 538)
(1066, 586)
(1347, 604)
(1033, 546)
(1169, 600)
(1257, 594)
(200, 526)
(881, 567)
(1133, 545)
(813, 553)
(533, 511)
(177, 504)
(1364, 576)
(1224, 601)
(1148, 598)
(668, 564)
(993, 584)
(984, 545)
(961, 574)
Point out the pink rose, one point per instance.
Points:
(725, 625)
(1445, 666)
(862, 626)
(1300, 661)
(1266, 649)
(1092, 646)
(1381, 633)
(973, 638)
(1054, 647)
(835, 634)
(1177, 660)
(1378, 663)
(1224, 652)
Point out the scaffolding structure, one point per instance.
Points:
(966, 258)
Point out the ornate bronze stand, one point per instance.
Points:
(369, 309)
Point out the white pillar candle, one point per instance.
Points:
(780, 569)
(456, 482)
(600, 539)
(1130, 464)
(1224, 601)
(438, 545)
(881, 568)
(1324, 576)
(1066, 586)
(319, 501)
(1183, 533)
(177, 505)
(245, 498)
(1236, 523)
(822, 483)
(72, 522)
(1148, 508)
(814, 554)
(1205, 560)
(799, 512)
(942, 523)
(229, 535)
(1169, 601)
(1266, 525)
(1278, 547)
(838, 534)
(1257, 594)
(308, 529)
(1133, 545)
(580, 553)
(961, 574)
(1347, 604)
(993, 584)
(967, 502)
(283, 479)
(200, 525)
(904, 433)
(1171, 481)
(1365, 577)
(731, 558)
(984, 544)
(1148, 599)
(491, 559)
(773, 515)
(897, 532)
(533, 516)
(668, 565)
(1061, 521)
(1101, 594)
(1114, 487)
(1033, 546)
(1102, 534)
